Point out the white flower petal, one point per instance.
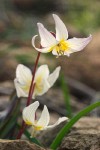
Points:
(29, 113)
(42, 71)
(41, 81)
(77, 44)
(45, 118)
(47, 39)
(62, 119)
(68, 52)
(61, 30)
(23, 74)
(45, 87)
(42, 50)
(20, 92)
(54, 52)
(34, 95)
(53, 76)
(41, 88)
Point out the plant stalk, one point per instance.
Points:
(31, 90)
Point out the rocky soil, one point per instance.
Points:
(18, 145)
(85, 135)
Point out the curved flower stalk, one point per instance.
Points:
(42, 123)
(43, 80)
(60, 44)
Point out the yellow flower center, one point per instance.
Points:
(26, 86)
(37, 128)
(38, 85)
(28, 122)
(61, 47)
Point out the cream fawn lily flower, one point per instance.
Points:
(60, 44)
(29, 117)
(43, 80)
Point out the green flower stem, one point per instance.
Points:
(27, 134)
(64, 131)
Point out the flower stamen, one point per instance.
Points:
(61, 47)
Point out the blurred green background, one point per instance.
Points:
(18, 18)
(18, 23)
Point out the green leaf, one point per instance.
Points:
(34, 140)
(9, 124)
(66, 96)
(70, 124)
(27, 134)
(11, 119)
(14, 103)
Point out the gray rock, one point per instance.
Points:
(81, 142)
(18, 145)
(85, 135)
(46, 137)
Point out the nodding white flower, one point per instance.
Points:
(43, 80)
(60, 44)
(30, 118)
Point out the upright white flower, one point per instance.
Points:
(30, 118)
(43, 80)
(60, 44)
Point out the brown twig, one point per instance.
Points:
(31, 90)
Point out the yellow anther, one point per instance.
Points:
(61, 47)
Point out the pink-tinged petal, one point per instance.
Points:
(61, 30)
(29, 113)
(45, 118)
(62, 119)
(42, 50)
(47, 39)
(77, 44)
